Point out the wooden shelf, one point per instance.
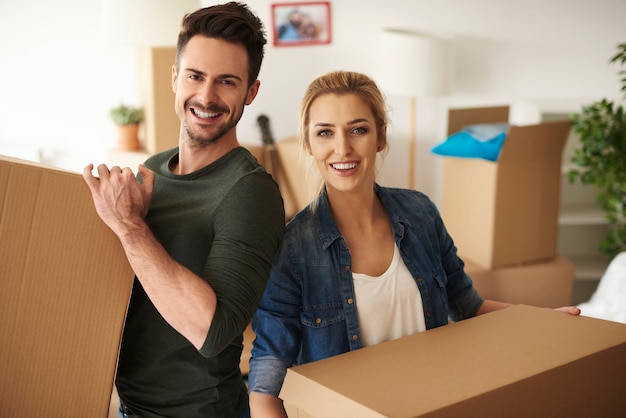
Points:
(582, 216)
(589, 269)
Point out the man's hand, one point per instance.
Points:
(120, 200)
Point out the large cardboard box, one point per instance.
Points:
(546, 284)
(505, 212)
(64, 290)
(518, 362)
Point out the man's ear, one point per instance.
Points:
(174, 78)
(252, 92)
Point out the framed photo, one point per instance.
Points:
(305, 23)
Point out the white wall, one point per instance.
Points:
(536, 54)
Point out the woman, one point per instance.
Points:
(362, 264)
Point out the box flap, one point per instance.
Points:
(535, 142)
(460, 118)
(435, 372)
(63, 295)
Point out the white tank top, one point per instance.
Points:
(389, 306)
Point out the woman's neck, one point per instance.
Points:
(360, 210)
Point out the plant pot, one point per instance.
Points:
(128, 137)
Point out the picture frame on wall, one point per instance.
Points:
(302, 23)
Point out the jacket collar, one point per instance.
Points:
(327, 231)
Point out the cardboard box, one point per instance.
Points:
(518, 362)
(64, 289)
(547, 284)
(505, 212)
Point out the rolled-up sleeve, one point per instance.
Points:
(267, 375)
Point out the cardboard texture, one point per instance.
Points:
(505, 212)
(547, 284)
(64, 289)
(518, 362)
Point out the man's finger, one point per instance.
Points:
(148, 178)
(89, 177)
(103, 171)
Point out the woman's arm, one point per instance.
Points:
(493, 305)
(266, 406)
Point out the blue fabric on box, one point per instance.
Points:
(475, 141)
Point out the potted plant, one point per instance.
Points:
(600, 159)
(127, 118)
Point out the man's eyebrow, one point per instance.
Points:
(193, 70)
(221, 76)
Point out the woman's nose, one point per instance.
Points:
(342, 145)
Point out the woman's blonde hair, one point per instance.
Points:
(341, 83)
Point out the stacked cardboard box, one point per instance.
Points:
(64, 290)
(503, 215)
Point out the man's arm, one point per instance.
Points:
(185, 300)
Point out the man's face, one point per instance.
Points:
(211, 88)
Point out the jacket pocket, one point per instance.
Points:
(322, 316)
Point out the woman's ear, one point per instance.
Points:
(382, 141)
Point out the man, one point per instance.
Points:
(290, 30)
(199, 227)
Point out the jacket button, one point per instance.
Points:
(355, 337)
(347, 268)
(318, 320)
(350, 301)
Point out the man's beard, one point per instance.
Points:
(203, 141)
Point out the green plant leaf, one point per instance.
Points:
(600, 159)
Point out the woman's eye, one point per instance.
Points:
(359, 130)
(324, 133)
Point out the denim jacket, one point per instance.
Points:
(309, 312)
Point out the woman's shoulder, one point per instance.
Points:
(404, 197)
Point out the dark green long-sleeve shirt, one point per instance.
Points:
(225, 223)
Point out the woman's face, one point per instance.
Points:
(343, 142)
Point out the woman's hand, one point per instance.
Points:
(572, 310)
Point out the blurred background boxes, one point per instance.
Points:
(505, 212)
(547, 284)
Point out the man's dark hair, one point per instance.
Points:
(232, 22)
